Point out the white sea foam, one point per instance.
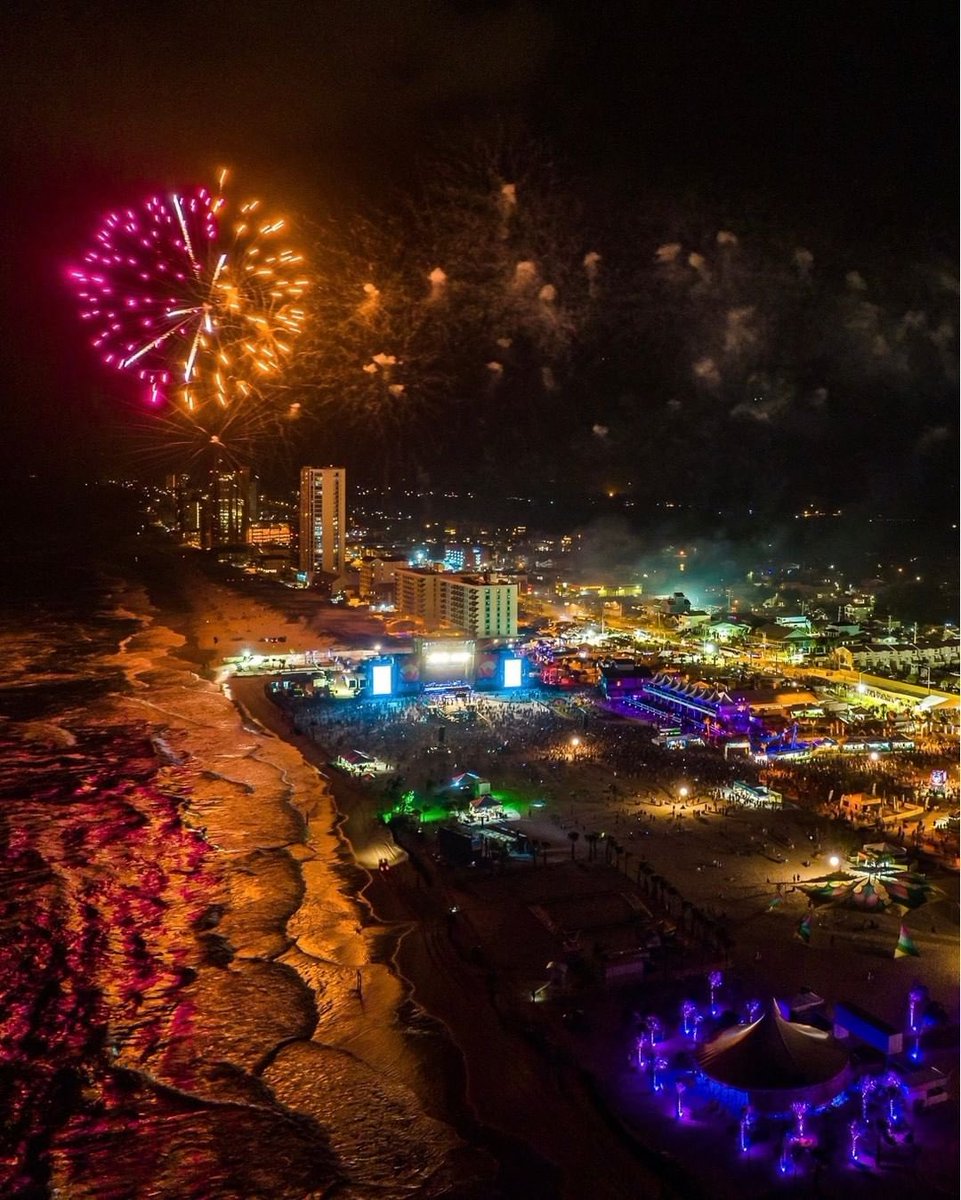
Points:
(284, 960)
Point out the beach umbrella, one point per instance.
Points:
(869, 894)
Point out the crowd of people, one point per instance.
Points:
(532, 738)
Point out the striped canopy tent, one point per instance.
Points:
(871, 889)
(774, 1063)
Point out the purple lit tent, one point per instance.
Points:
(775, 1063)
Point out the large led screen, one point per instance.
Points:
(447, 661)
(380, 679)
(513, 673)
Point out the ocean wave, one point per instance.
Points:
(197, 1010)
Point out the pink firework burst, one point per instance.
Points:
(188, 299)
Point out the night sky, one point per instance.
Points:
(743, 376)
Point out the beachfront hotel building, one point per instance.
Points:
(481, 605)
(228, 505)
(323, 520)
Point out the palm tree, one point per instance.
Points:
(573, 836)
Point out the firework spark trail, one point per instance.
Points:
(195, 304)
(229, 438)
(476, 284)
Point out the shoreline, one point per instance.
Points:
(570, 1145)
(435, 1053)
(342, 961)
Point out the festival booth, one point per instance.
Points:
(469, 797)
(774, 1063)
(851, 1020)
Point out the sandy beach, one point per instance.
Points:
(295, 922)
(491, 1083)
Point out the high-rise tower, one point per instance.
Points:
(323, 520)
(227, 507)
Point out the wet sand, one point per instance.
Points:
(362, 1072)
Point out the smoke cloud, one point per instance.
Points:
(706, 372)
